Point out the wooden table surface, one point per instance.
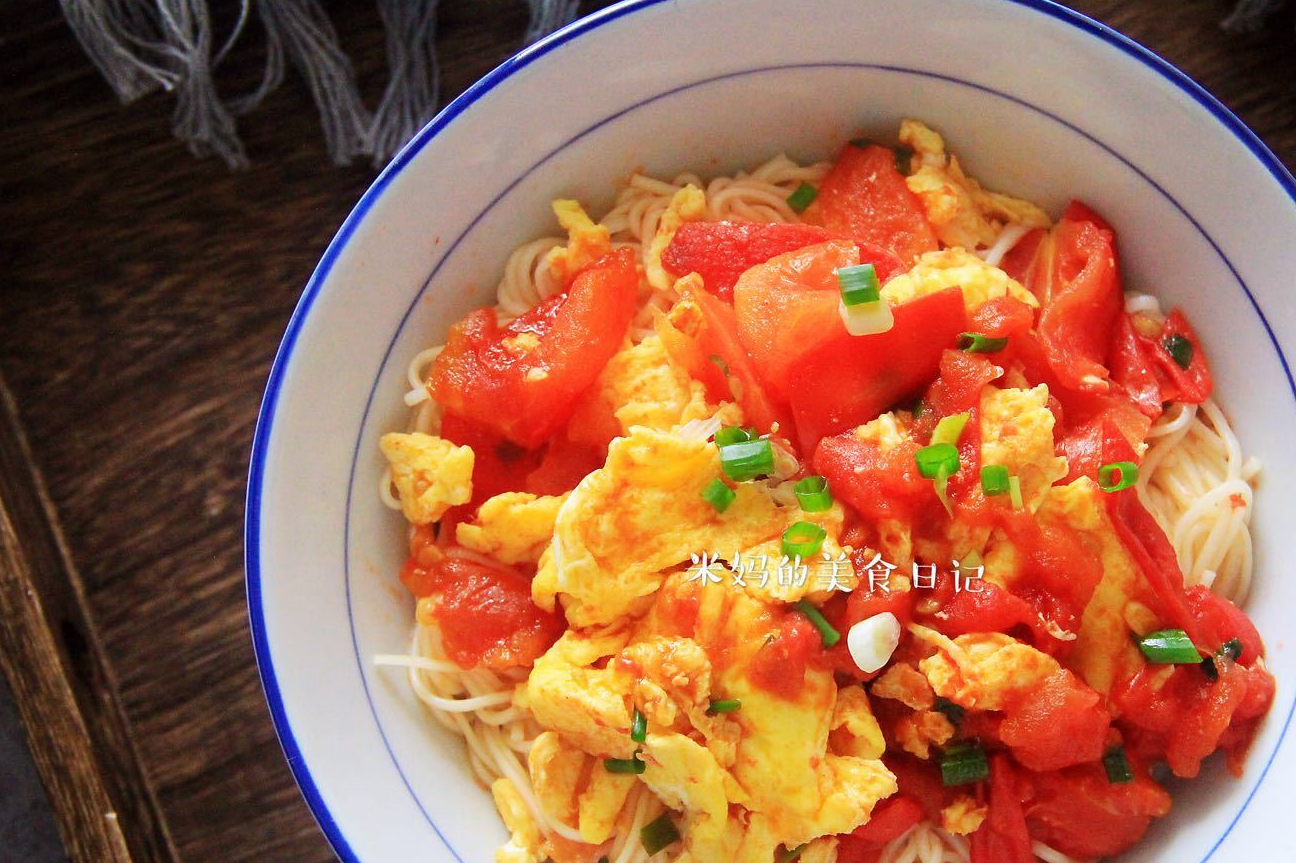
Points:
(142, 295)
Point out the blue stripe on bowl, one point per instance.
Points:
(265, 662)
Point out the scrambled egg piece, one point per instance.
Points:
(963, 815)
(588, 706)
(984, 670)
(431, 474)
(1017, 431)
(906, 684)
(638, 516)
(514, 527)
(936, 271)
(586, 241)
(524, 845)
(571, 788)
(962, 213)
(686, 205)
(855, 730)
(685, 776)
(641, 386)
(1103, 651)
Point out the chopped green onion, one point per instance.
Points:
(731, 435)
(1169, 647)
(813, 494)
(975, 343)
(904, 160)
(994, 479)
(720, 364)
(1127, 470)
(963, 764)
(931, 459)
(1231, 649)
(718, 494)
(625, 765)
(829, 635)
(971, 560)
(859, 285)
(1014, 492)
(1118, 766)
(747, 460)
(952, 711)
(802, 197)
(803, 540)
(950, 428)
(659, 833)
(1180, 349)
(639, 727)
(724, 705)
(941, 484)
(791, 854)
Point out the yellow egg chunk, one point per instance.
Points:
(686, 205)
(514, 527)
(587, 241)
(961, 212)
(1017, 432)
(984, 670)
(949, 268)
(431, 474)
(637, 517)
(1104, 650)
(640, 386)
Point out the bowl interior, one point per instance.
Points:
(1202, 222)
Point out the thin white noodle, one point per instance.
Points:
(1008, 238)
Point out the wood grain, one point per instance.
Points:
(142, 294)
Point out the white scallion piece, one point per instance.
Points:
(872, 641)
(866, 319)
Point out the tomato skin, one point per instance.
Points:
(485, 614)
(1078, 812)
(780, 664)
(564, 464)
(1147, 372)
(1219, 620)
(721, 252)
(1075, 277)
(789, 304)
(1191, 385)
(877, 484)
(890, 819)
(1132, 368)
(845, 380)
(522, 380)
(1003, 837)
(499, 465)
(1061, 724)
(863, 196)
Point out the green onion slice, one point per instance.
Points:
(803, 540)
(724, 705)
(625, 765)
(791, 854)
(1014, 492)
(975, 343)
(952, 711)
(1127, 472)
(1117, 766)
(829, 635)
(950, 428)
(859, 285)
(639, 727)
(963, 764)
(733, 434)
(802, 197)
(1180, 349)
(1169, 647)
(659, 833)
(720, 364)
(1231, 649)
(932, 459)
(994, 479)
(941, 484)
(747, 460)
(718, 494)
(813, 494)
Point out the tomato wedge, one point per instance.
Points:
(864, 197)
(1002, 837)
(1074, 275)
(1145, 369)
(499, 465)
(847, 380)
(889, 820)
(1060, 724)
(522, 380)
(1080, 813)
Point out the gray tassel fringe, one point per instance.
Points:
(142, 45)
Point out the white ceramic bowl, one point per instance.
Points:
(1037, 100)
